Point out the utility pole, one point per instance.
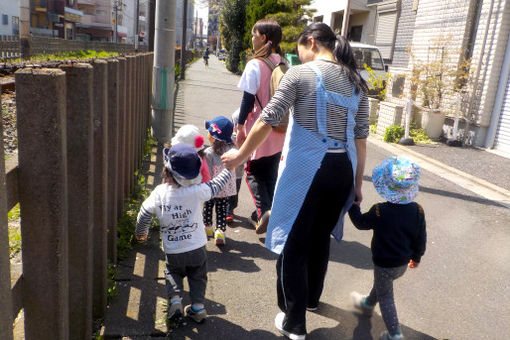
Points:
(137, 17)
(24, 32)
(116, 10)
(345, 23)
(163, 74)
(183, 41)
(152, 21)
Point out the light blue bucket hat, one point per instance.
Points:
(396, 179)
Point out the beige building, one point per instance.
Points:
(409, 32)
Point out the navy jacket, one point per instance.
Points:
(399, 232)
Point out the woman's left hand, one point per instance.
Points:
(230, 159)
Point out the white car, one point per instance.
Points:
(370, 55)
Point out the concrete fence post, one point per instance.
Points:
(135, 115)
(139, 116)
(79, 79)
(139, 96)
(6, 316)
(121, 142)
(101, 199)
(41, 119)
(129, 128)
(113, 172)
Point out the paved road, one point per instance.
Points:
(460, 291)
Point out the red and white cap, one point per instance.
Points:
(189, 134)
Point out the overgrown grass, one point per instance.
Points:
(14, 231)
(81, 54)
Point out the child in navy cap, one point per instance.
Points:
(176, 203)
(220, 135)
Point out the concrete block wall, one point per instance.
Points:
(373, 105)
(389, 114)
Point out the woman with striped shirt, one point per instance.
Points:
(321, 168)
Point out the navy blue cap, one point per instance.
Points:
(183, 161)
(220, 128)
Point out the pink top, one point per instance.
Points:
(204, 171)
(274, 143)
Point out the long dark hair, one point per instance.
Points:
(271, 28)
(340, 48)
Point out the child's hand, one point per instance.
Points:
(141, 238)
(413, 264)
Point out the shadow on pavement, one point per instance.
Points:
(365, 329)
(238, 256)
(351, 253)
(217, 328)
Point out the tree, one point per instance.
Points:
(232, 25)
(293, 19)
(256, 10)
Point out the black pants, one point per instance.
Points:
(302, 265)
(261, 175)
(221, 204)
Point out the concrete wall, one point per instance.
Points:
(488, 53)
(11, 8)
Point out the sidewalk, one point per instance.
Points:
(240, 296)
(484, 173)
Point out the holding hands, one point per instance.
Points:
(231, 160)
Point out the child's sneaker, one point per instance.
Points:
(219, 237)
(209, 231)
(198, 316)
(229, 219)
(359, 302)
(175, 313)
(386, 336)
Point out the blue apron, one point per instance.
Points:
(302, 154)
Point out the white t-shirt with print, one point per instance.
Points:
(179, 212)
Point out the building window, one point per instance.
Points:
(15, 25)
(5, 19)
(318, 18)
(385, 36)
(100, 12)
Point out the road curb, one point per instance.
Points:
(472, 183)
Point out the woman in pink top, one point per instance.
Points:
(262, 166)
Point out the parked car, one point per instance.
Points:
(370, 55)
(222, 54)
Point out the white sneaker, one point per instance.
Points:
(386, 336)
(358, 301)
(278, 322)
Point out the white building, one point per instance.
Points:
(9, 17)
(361, 21)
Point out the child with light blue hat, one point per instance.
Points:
(399, 236)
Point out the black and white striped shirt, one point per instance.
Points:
(297, 92)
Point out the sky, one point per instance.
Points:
(203, 12)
